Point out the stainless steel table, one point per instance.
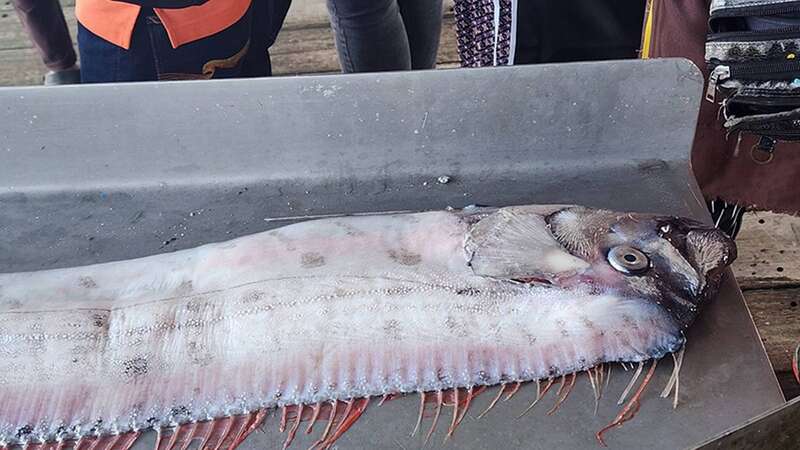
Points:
(105, 172)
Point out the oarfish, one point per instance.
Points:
(315, 319)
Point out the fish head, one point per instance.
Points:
(674, 262)
(623, 286)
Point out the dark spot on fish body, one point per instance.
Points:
(451, 324)
(288, 242)
(181, 411)
(400, 290)
(392, 329)
(185, 288)
(276, 345)
(311, 260)
(253, 296)
(87, 282)
(37, 346)
(98, 320)
(23, 431)
(135, 368)
(627, 320)
(349, 229)
(79, 350)
(198, 354)
(468, 291)
(340, 292)
(405, 257)
(11, 304)
(194, 305)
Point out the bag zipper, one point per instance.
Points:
(750, 71)
(749, 36)
(745, 99)
(718, 74)
(759, 10)
(787, 94)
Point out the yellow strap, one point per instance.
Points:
(647, 34)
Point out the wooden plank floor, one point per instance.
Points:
(768, 271)
(768, 268)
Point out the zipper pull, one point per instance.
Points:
(718, 74)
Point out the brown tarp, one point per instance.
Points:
(679, 28)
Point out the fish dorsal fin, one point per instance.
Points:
(514, 243)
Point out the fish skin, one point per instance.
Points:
(343, 308)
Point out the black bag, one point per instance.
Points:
(165, 4)
(753, 53)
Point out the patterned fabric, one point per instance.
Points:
(743, 51)
(717, 5)
(484, 29)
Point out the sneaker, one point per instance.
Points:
(68, 76)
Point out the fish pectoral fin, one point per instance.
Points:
(515, 243)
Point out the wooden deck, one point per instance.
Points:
(768, 268)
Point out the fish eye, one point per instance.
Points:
(628, 260)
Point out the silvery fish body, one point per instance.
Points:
(317, 315)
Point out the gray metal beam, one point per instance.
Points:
(106, 172)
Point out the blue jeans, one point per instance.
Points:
(151, 56)
(379, 35)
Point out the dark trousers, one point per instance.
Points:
(578, 30)
(240, 50)
(48, 30)
(379, 35)
(268, 17)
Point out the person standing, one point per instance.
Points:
(729, 169)
(45, 24)
(506, 32)
(382, 35)
(139, 40)
(268, 17)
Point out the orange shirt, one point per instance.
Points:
(114, 21)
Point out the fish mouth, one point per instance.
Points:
(709, 251)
